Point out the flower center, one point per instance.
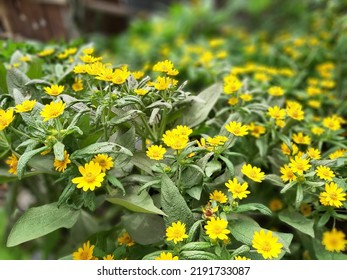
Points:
(333, 196)
(89, 177)
(266, 246)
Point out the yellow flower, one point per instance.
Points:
(276, 113)
(141, 91)
(45, 52)
(231, 84)
(275, 204)
(294, 110)
(167, 257)
(218, 196)
(333, 195)
(299, 164)
(120, 76)
(175, 140)
(77, 85)
(239, 191)
(164, 83)
(237, 128)
(61, 165)
(6, 117)
(233, 101)
(183, 130)
(84, 253)
(256, 130)
(300, 138)
(92, 176)
(165, 66)
(89, 58)
(280, 123)
(287, 174)
(25, 58)
(12, 162)
(246, 97)
(317, 130)
(88, 51)
(125, 239)
(239, 258)
(325, 173)
(275, 91)
(266, 244)
(313, 153)
(176, 232)
(261, 77)
(314, 104)
(218, 140)
(332, 123)
(52, 110)
(337, 154)
(105, 162)
(334, 241)
(289, 150)
(253, 173)
(216, 228)
(305, 209)
(25, 106)
(54, 90)
(156, 152)
(138, 74)
(108, 257)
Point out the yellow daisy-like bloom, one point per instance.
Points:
(337, 154)
(231, 84)
(77, 85)
(333, 195)
(239, 191)
(216, 228)
(233, 101)
(84, 253)
(137, 74)
(6, 117)
(332, 123)
(300, 138)
(164, 83)
(54, 90)
(275, 91)
(105, 161)
(106, 74)
(299, 164)
(313, 153)
(120, 76)
(316, 130)
(294, 111)
(25, 106)
(275, 204)
(25, 58)
(218, 140)
(218, 196)
(289, 150)
(237, 128)
(183, 130)
(125, 239)
(266, 244)
(334, 241)
(239, 258)
(91, 178)
(52, 110)
(256, 130)
(246, 97)
(176, 232)
(280, 123)
(325, 173)
(253, 173)
(12, 162)
(46, 52)
(61, 165)
(165, 66)
(89, 58)
(287, 174)
(166, 257)
(276, 113)
(141, 91)
(175, 140)
(108, 257)
(156, 152)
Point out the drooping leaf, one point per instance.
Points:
(197, 255)
(39, 221)
(254, 207)
(23, 160)
(297, 221)
(58, 149)
(212, 167)
(135, 201)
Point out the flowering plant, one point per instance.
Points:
(138, 165)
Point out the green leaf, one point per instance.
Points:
(66, 194)
(197, 255)
(241, 250)
(23, 160)
(127, 116)
(275, 179)
(143, 162)
(200, 107)
(192, 175)
(58, 149)
(194, 231)
(99, 148)
(254, 207)
(229, 165)
(195, 192)
(135, 201)
(16, 80)
(35, 69)
(297, 221)
(174, 204)
(195, 246)
(324, 219)
(212, 167)
(288, 186)
(3, 81)
(299, 196)
(262, 145)
(144, 229)
(115, 182)
(39, 221)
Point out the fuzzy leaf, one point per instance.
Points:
(297, 221)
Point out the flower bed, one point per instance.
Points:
(229, 146)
